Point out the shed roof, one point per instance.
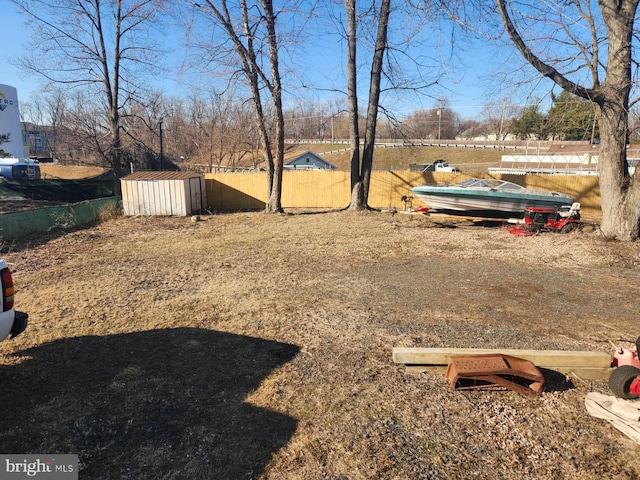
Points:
(161, 176)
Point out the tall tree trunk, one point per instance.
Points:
(263, 133)
(112, 86)
(361, 171)
(252, 68)
(352, 97)
(274, 202)
(374, 97)
(116, 149)
(619, 192)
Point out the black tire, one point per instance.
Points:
(568, 227)
(620, 381)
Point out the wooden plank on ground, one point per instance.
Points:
(540, 358)
(582, 373)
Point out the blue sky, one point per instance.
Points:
(465, 90)
(13, 35)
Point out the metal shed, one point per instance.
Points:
(163, 193)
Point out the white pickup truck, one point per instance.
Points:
(440, 166)
(436, 166)
(12, 323)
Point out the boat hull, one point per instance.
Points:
(485, 204)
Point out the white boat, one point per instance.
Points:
(487, 198)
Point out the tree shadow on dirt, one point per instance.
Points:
(155, 404)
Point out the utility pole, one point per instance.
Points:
(502, 115)
(440, 107)
(161, 149)
(332, 137)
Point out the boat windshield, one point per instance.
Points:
(490, 183)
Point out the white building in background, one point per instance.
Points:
(10, 121)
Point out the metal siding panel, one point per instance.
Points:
(179, 198)
(157, 198)
(174, 189)
(152, 193)
(134, 209)
(173, 195)
(139, 199)
(167, 198)
(196, 195)
(203, 193)
(127, 193)
(145, 206)
(143, 190)
(164, 197)
(150, 196)
(187, 197)
(195, 201)
(170, 196)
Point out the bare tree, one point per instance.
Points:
(587, 50)
(250, 27)
(497, 117)
(421, 124)
(313, 120)
(103, 46)
(86, 139)
(361, 168)
(368, 30)
(473, 129)
(231, 135)
(144, 127)
(436, 123)
(55, 106)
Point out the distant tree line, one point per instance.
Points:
(219, 132)
(104, 56)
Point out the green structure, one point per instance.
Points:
(18, 224)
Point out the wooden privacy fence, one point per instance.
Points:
(229, 192)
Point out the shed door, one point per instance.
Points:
(196, 195)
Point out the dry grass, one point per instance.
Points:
(69, 172)
(474, 160)
(259, 346)
(467, 159)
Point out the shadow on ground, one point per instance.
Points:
(155, 404)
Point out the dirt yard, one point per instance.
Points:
(69, 172)
(259, 346)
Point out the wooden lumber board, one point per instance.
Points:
(540, 358)
(582, 373)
